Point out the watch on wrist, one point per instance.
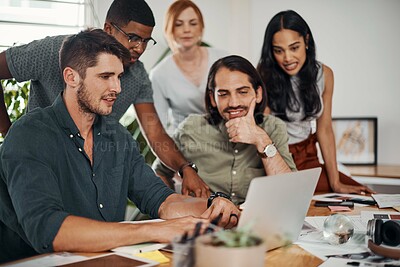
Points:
(269, 151)
(189, 164)
(215, 195)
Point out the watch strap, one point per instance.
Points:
(263, 154)
(215, 195)
(188, 164)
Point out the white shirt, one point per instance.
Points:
(175, 97)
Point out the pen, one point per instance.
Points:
(197, 230)
(184, 238)
(213, 224)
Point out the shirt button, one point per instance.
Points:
(71, 136)
(98, 133)
(236, 151)
(93, 174)
(80, 149)
(78, 134)
(101, 206)
(234, 172)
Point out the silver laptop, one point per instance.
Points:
(278, 204)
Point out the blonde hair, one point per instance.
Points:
(172, 14)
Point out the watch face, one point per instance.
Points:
(194, 167)
(270, 150)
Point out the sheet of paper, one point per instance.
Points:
(365, 259)
(315, 244)
(337, 262)
(387, 200)
(313, 241)
(139, 248)
(143, 247)
(144, 221)
(55, 259)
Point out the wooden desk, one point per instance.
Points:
(384, 171)
(292, 255)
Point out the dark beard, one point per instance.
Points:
(84, 99)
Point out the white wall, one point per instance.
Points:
(358, 39)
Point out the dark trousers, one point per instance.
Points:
(305, 156)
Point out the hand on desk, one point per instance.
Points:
(352, 189)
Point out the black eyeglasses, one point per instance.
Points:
(136, 40)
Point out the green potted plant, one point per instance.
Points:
(234, 248)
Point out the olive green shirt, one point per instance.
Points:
(225, 166)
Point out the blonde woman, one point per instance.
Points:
(179, 80)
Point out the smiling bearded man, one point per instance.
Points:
(234, 142)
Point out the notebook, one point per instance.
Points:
(278, 204)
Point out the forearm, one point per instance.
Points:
(167, 180)
(85, 235)
(326, 142)
(177, 205)
(4, 70)
(5, 122)
(275, 165)
(168, 152)
(160, 142)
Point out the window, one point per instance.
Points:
(22, 21)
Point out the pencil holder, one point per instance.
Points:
(208, 254)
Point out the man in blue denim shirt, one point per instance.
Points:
(67, 170)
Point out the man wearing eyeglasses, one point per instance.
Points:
(131, 22)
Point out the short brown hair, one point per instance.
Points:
(80, 51)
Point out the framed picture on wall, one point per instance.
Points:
(356, 140)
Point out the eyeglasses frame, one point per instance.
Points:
(131, 35)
